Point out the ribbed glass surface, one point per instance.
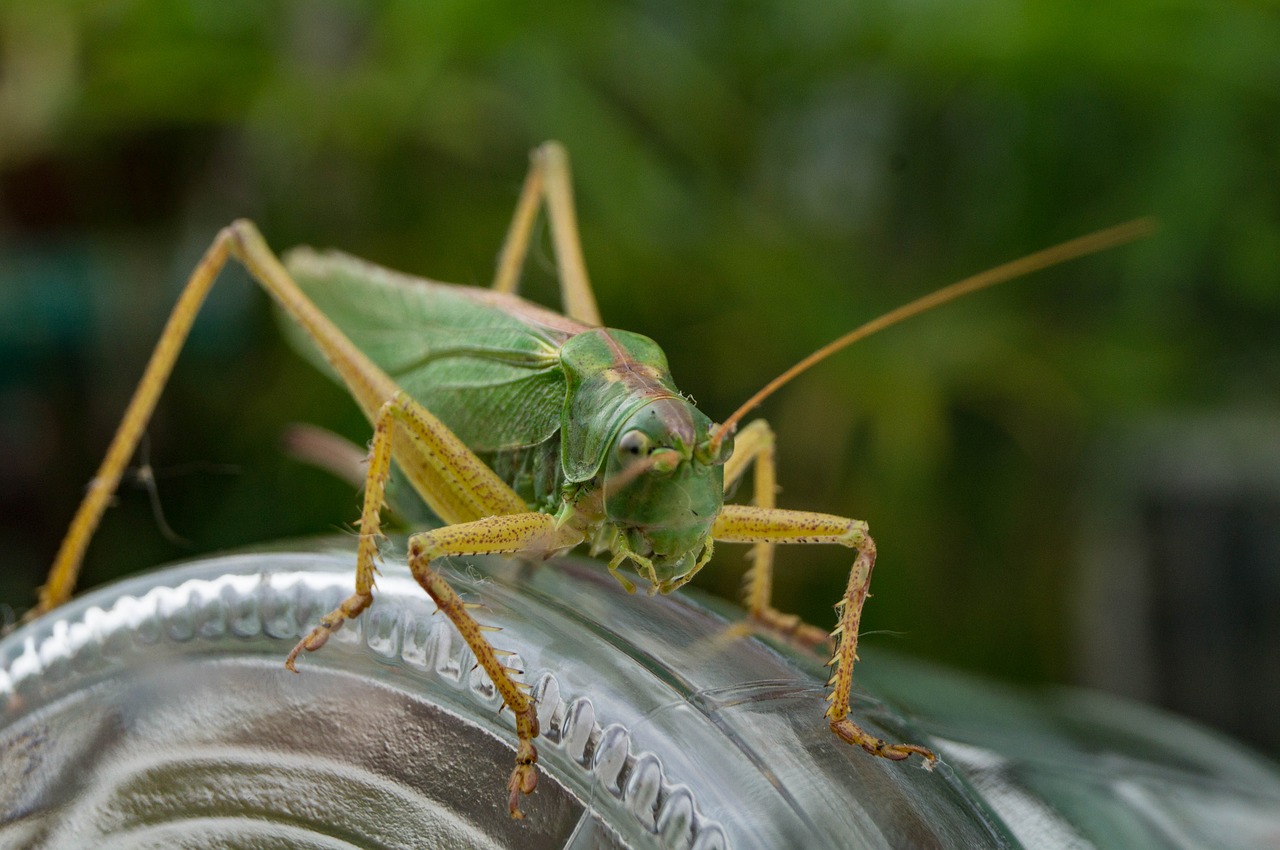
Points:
(157, 713)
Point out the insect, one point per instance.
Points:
(530, 431)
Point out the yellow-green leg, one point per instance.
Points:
(455, 483)
(509, 527)
(767, 525)
(514, 531)
(242, 241)
(459, 488)
(521, 531)
(369, 386)
(754, 448)
(527, 532)
(549, 178)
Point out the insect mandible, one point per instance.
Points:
(605, 451)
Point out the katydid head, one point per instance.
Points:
(664, 486)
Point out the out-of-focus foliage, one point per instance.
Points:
(753, 179)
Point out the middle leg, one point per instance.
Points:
(526, 532)
(511, 529)
(453, 481)
(754, 448)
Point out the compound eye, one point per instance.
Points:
(634, 444)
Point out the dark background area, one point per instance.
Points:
(752, 180)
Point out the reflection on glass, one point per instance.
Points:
(157, 712)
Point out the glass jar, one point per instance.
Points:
(157, 712)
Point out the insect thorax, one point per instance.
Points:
(534, 472)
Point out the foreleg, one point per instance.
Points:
(527, 532)
(458, 482)
(750, 524)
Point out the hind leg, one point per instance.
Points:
(549, 179)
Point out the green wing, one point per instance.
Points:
(487, 365)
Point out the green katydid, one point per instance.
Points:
(528, 431)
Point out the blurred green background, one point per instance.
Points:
(752, 180)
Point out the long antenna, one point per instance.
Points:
(1061, 253)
